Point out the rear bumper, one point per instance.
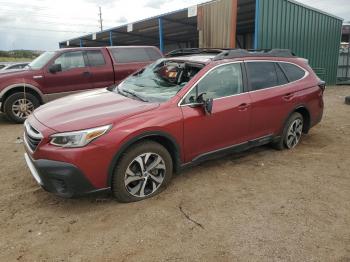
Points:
(60, 178)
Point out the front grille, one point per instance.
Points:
(32, 136)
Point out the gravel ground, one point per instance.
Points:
(261, 205)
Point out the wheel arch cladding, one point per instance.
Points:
(304, 111)
(162, 138)
(20, 89)
(306, 117)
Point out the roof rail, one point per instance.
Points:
(238, 53)
(193, 51)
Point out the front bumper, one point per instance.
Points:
(60, 178)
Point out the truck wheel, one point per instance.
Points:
(292, 132)
(347, 100)
(17, 107)
(143, 171)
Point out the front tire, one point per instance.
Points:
(143, 171)
(19, 106)
(292, 133)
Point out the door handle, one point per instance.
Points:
(288, 97)
(243, 107)
(87, 74)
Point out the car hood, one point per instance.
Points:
(89, 109)
(15, 72)
(11, 71)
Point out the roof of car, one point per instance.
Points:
(200, 58)
(101, 47)
(207, 55)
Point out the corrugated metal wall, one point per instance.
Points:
(307, 32)
(217, 24)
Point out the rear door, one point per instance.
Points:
(75, 74)
(128, 60)
(230, 119)
(273, 97)
(101, 68)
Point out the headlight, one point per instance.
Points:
(78, 138)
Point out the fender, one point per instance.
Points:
(300, 106)
(127, 144)
(8, 88)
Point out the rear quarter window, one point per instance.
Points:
(292, 72)
(153, 54)
(95, 58)
(130, 55)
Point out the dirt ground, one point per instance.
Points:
(261, 205)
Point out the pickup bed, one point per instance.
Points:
(59, 73)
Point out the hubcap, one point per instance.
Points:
(294, 133)
(22, 108)
(145, 174)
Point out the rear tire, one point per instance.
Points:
(291, 134)
(143, 171)
(17, 108)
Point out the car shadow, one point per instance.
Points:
(105, 199)
(4, 120)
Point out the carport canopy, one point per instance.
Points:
(173, 30)
(178, 29)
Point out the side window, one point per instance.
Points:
(95, 58)
(293, 72)
(71, 60)
(262, 75)
(282, 79)
(153, 54)
(223, 81)
(129, 55)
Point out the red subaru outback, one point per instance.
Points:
(181, 110)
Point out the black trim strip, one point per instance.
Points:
(229, 150)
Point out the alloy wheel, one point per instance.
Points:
(22, 108)
(294, 133)
(145, 174)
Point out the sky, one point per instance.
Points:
(41, 24)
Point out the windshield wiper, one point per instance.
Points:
(131, 93)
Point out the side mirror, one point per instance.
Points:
(207, 103)
(55, 68)
(208, 106)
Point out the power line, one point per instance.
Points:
(37, 9)
(31, 35)
(14, 12)
(64, 24)
(45, 30)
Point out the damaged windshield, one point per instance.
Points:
(159, 81)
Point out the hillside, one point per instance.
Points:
(18, 55)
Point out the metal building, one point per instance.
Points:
(258, 24)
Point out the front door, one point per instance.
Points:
(229, 122)
(74, 76)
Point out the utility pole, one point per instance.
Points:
(100, 15)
